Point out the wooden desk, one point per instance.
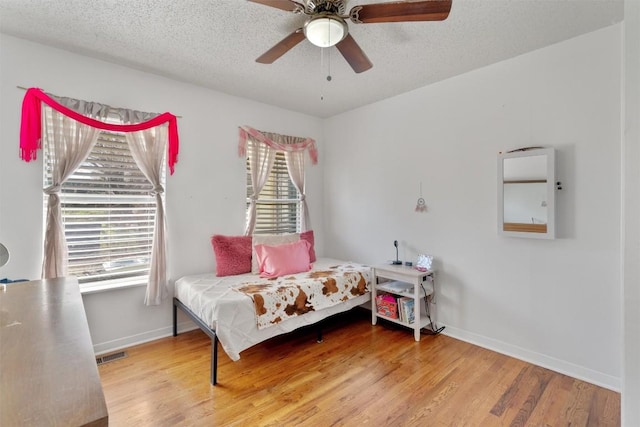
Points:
(48, 371)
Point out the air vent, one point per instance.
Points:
(111, 357)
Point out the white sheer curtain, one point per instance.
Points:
(69, 143)
(147, 149)
(295, 167)
(261, 158)
(261, 161)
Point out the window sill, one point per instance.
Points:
(94, 288)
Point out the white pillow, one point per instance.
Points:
(271, 240)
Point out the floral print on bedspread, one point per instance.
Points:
(278, 299)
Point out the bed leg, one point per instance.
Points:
(319, 334)
(175, 319)
(214, 360)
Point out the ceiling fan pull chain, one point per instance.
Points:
(321, 71)
(329, 65)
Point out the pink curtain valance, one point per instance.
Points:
(245, 132)
(30, 127)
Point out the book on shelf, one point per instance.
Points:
(406, 309)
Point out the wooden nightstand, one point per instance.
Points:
(418, 286)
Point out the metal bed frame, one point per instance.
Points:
(212, 334)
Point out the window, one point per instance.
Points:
(108, 214)
(278, 208)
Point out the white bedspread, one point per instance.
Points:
(232, 314)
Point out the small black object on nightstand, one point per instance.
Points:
(397, 261)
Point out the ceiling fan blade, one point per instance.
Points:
(288, 5)
(354, 55)
(401, 11)
(282, 47)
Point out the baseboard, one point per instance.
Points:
(130, 341)
(557, 365)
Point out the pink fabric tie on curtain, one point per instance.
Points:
(31, 133)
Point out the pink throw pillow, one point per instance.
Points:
(233, 254)
(308, 236)
(288, 258)
(271, 240)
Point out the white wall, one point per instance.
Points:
(631, 215)
(556, 303)
(206, 194)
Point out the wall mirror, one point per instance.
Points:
(526, 193)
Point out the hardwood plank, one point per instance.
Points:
(499, 408)
(542, 377)
(552, 404)
(361, 374)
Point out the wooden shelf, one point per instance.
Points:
(424, 321)
(426, 287)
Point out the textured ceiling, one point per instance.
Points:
(214, 43)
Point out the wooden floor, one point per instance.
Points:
(360, 375)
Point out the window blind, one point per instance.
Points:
(108, 214)
(278, 208)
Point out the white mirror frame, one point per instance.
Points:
(550, 191)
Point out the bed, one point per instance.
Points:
(242, 310)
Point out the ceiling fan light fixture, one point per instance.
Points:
(325, 31)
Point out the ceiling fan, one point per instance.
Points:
(327, 24)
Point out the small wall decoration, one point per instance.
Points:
(421, 205)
